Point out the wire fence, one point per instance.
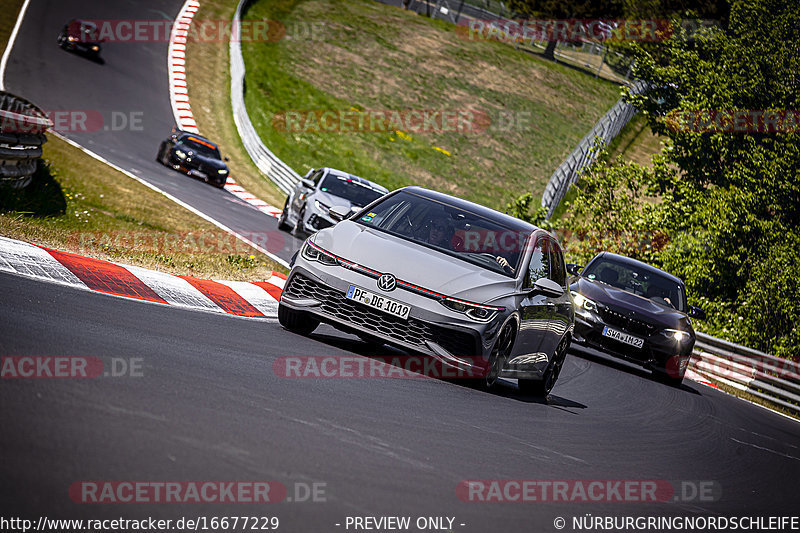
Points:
(585, 153)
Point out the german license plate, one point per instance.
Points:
(626, 338)
(376, 301)
(198, 174)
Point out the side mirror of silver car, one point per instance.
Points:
(339, 212)
(548, 287)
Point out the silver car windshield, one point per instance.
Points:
(659, 289)
(449, 229)
(359, 194)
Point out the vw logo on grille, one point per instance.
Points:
(387, 282)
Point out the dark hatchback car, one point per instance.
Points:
(194, 155)
(635, 311)
(80, 36)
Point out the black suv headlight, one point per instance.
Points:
(677, 335)
(582, 302)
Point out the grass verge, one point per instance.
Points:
(79, 204)
(209, 82)
(361, 55)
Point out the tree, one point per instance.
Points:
(726, 99)
(566, 11)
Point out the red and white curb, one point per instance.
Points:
(256, 299)
(179, 96)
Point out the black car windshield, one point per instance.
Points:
(450, 229)
(359, 194)
(646, 283)
(201, 147)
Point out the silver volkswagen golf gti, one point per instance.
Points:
(477, 290)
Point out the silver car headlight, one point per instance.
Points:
(677, 335)
(320, 206)
(476, 312)
(181, 154)
(312, 252)
(582, 302)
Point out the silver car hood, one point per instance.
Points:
(413, 263)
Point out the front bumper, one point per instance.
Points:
(454, 341)
(659, 352)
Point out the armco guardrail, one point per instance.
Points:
(268, 163)
(22, 127)
(585, 153)
(772, 378)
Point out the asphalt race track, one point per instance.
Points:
(129, 90)
(205, 403)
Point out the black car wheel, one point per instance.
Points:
(282, 225)
(161, 152)
(543, 386)
(296, 321)
(298, 227)
(499, 355)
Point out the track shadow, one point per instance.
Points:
(399, 358)
(606, 360)
(94, 58)
(42, 198)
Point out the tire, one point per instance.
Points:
(298, 227)
(500, 352)
(282, 225)
(160, 155)
(542, 387)
(296, 321)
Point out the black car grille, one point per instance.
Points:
(628, 323)
(412, 331)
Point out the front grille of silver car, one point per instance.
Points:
(629, 324)
(412, 331)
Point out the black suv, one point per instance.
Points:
(635, 311)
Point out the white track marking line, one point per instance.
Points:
(10, 44)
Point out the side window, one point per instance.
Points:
(558, 270)
(316, 177)
(538, 267)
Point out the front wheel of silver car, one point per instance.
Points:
(542, 387)
(282, 225)
(299, 226)
(298, 322)
(499, 355)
